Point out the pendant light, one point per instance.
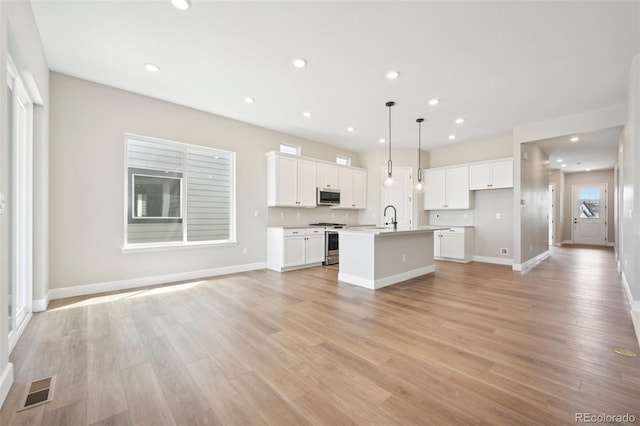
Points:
(419, 185)
(389, 181)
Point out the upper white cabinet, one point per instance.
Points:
(353, 188)
(327, 176)
(290, 181)
(494, 175)
(447, 189)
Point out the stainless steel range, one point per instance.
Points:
(331, 243)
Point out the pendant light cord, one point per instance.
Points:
(419, 120)
(389, 163)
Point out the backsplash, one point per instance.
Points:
(451, 218)
(281, 216)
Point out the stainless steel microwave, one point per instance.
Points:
(328, 197)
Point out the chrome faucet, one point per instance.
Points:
(395, 216)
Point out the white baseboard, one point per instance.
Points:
(567, 242)
(496, 260)
(15, 335)
(6, 380)
(557, 244)
(386, 281)
(81, 290)
(635, 307)
(610, 244)
(531, 262)
(40, 305)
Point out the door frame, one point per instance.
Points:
(606, 210)
(552, 214)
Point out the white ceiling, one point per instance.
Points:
(594, 151)
(499, 65)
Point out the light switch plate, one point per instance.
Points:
(2, 203)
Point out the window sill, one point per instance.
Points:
(141, 248)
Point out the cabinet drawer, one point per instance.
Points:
(453, 231)
(314, 231)
(294, 232)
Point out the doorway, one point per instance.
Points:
(399, 196)
(589, 209)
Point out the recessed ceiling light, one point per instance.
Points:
(564, 165)
(299, 62)
(559, 160)
(588, 170)
(381, 140)
(181, 4)
(152, 67)
(307, 114)
(393, 74)
(249, 100)
(434, 101)
(351, 129)
(452, 137)
(459, 120)
(574, 139)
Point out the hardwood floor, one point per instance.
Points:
(470, 344)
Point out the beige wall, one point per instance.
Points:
(587, 178)
(88, 123)
(629, 221)
(534, 193)
(468, 153)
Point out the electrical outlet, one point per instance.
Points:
(346, 215)
(2, 203)
(504, 251)
(404, 257)
(281, 215)
(333, 215)
(498, 216)
(245, 250)
(298, 214)
(256, 213)
(530, 247)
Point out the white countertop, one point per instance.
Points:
(385, 231)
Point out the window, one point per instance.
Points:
(343, 161)
(178, 194)
(290, 149)
(589, 203)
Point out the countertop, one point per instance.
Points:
(384, 231)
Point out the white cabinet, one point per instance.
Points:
(494, 175)
(291, 182)
(353, 188)
(447, 189)
(327, 176)
(294, 248)
(454, 244)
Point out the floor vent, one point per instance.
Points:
(39, 392)
(625, 352)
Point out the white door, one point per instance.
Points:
(21, 201)
(590, 214)
(551, 214)
(399, 196)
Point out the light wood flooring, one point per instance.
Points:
(469, 344)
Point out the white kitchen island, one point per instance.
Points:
(378, 257)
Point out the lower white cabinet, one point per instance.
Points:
(455, 244)
(294, 248)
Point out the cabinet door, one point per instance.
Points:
(359, 195)
(315, 249)
(480, 176)
(285, 173)
(294, 251)
(437, 239)
(434, 189)
(327, 176)
(457, 188)
(502, 174)
(452, 245)
(306, 183)
(345, 176)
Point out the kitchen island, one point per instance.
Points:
(378, 257)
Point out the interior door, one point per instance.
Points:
(590, 214)
(399, 196)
